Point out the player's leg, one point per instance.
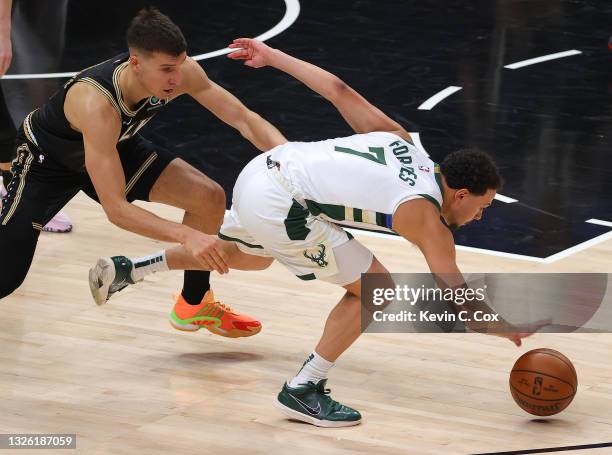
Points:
(181, 185)
(304, 397)
(153, 174)
(34, 195)
(7, 146)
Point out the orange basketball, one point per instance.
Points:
(543, 382)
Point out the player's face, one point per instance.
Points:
(467, 207)
(161, 73)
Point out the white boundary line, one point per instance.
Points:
(384, 235)
(432, 101)
(547, 260)
(599, 222)
(579, 247)
(291, 14)
(506, 199)
(37, 76)
(543, 58)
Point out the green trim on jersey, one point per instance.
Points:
(438, 176)
(432, 200)
(342, 213)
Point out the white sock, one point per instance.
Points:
(315, 368)
(148, 264)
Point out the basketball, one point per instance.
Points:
(543, 382)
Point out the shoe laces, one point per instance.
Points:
(222, 306)
(320, 389)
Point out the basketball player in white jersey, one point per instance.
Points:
(287, 203)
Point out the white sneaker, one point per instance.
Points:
(59, 224)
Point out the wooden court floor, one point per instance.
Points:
(125, 382)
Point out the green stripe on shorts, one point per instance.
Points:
(233, 239)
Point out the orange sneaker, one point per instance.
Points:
(215, 316)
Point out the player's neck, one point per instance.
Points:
(131, 89)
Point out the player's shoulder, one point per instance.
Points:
(194, 77)
(86, 107)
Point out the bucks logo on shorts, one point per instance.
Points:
(317, 255)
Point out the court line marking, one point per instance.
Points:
(506, 199)
(550, 449)
(599, 222)
(576, 248)
(291, 14)
(292, 11)
(428, 104)
(543, 58)
(522, 257)
(470, 249)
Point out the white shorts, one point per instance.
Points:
(269, 218)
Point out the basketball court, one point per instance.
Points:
(528, 82)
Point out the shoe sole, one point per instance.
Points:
(184, 327)
(233, 334)
(295, 415)
(99, 293)
(57, 231)
(216, 331)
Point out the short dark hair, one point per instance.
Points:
(471, 169)
(152, 31)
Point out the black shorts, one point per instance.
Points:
(40, 187)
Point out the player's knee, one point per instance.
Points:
(208, 197)
(216, 196)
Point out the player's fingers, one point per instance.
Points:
(221, 260)
(239, 52)
(217, 262)
(205, 264)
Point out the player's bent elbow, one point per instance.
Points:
(339, 89)
(114, 214)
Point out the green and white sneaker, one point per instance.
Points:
(311, 403)
(108, 276)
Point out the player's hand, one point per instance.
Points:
(6, 54)
(512, 332)
(207, 251)
(254, 53)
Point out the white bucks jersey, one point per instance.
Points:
(359, 180)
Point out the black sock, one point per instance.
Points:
(6, 177)
(195, 285)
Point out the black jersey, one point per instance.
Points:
(51, 132)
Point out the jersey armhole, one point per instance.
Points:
(102, 90)
(427, 197)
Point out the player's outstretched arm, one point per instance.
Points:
(419, 222)
(6, 51)
(261, 133)
(360, 114)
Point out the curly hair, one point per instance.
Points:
(471, 169)
(152, 31)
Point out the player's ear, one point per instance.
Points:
(461, 194)
(134, 61)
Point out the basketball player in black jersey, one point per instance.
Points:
(86, 138)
